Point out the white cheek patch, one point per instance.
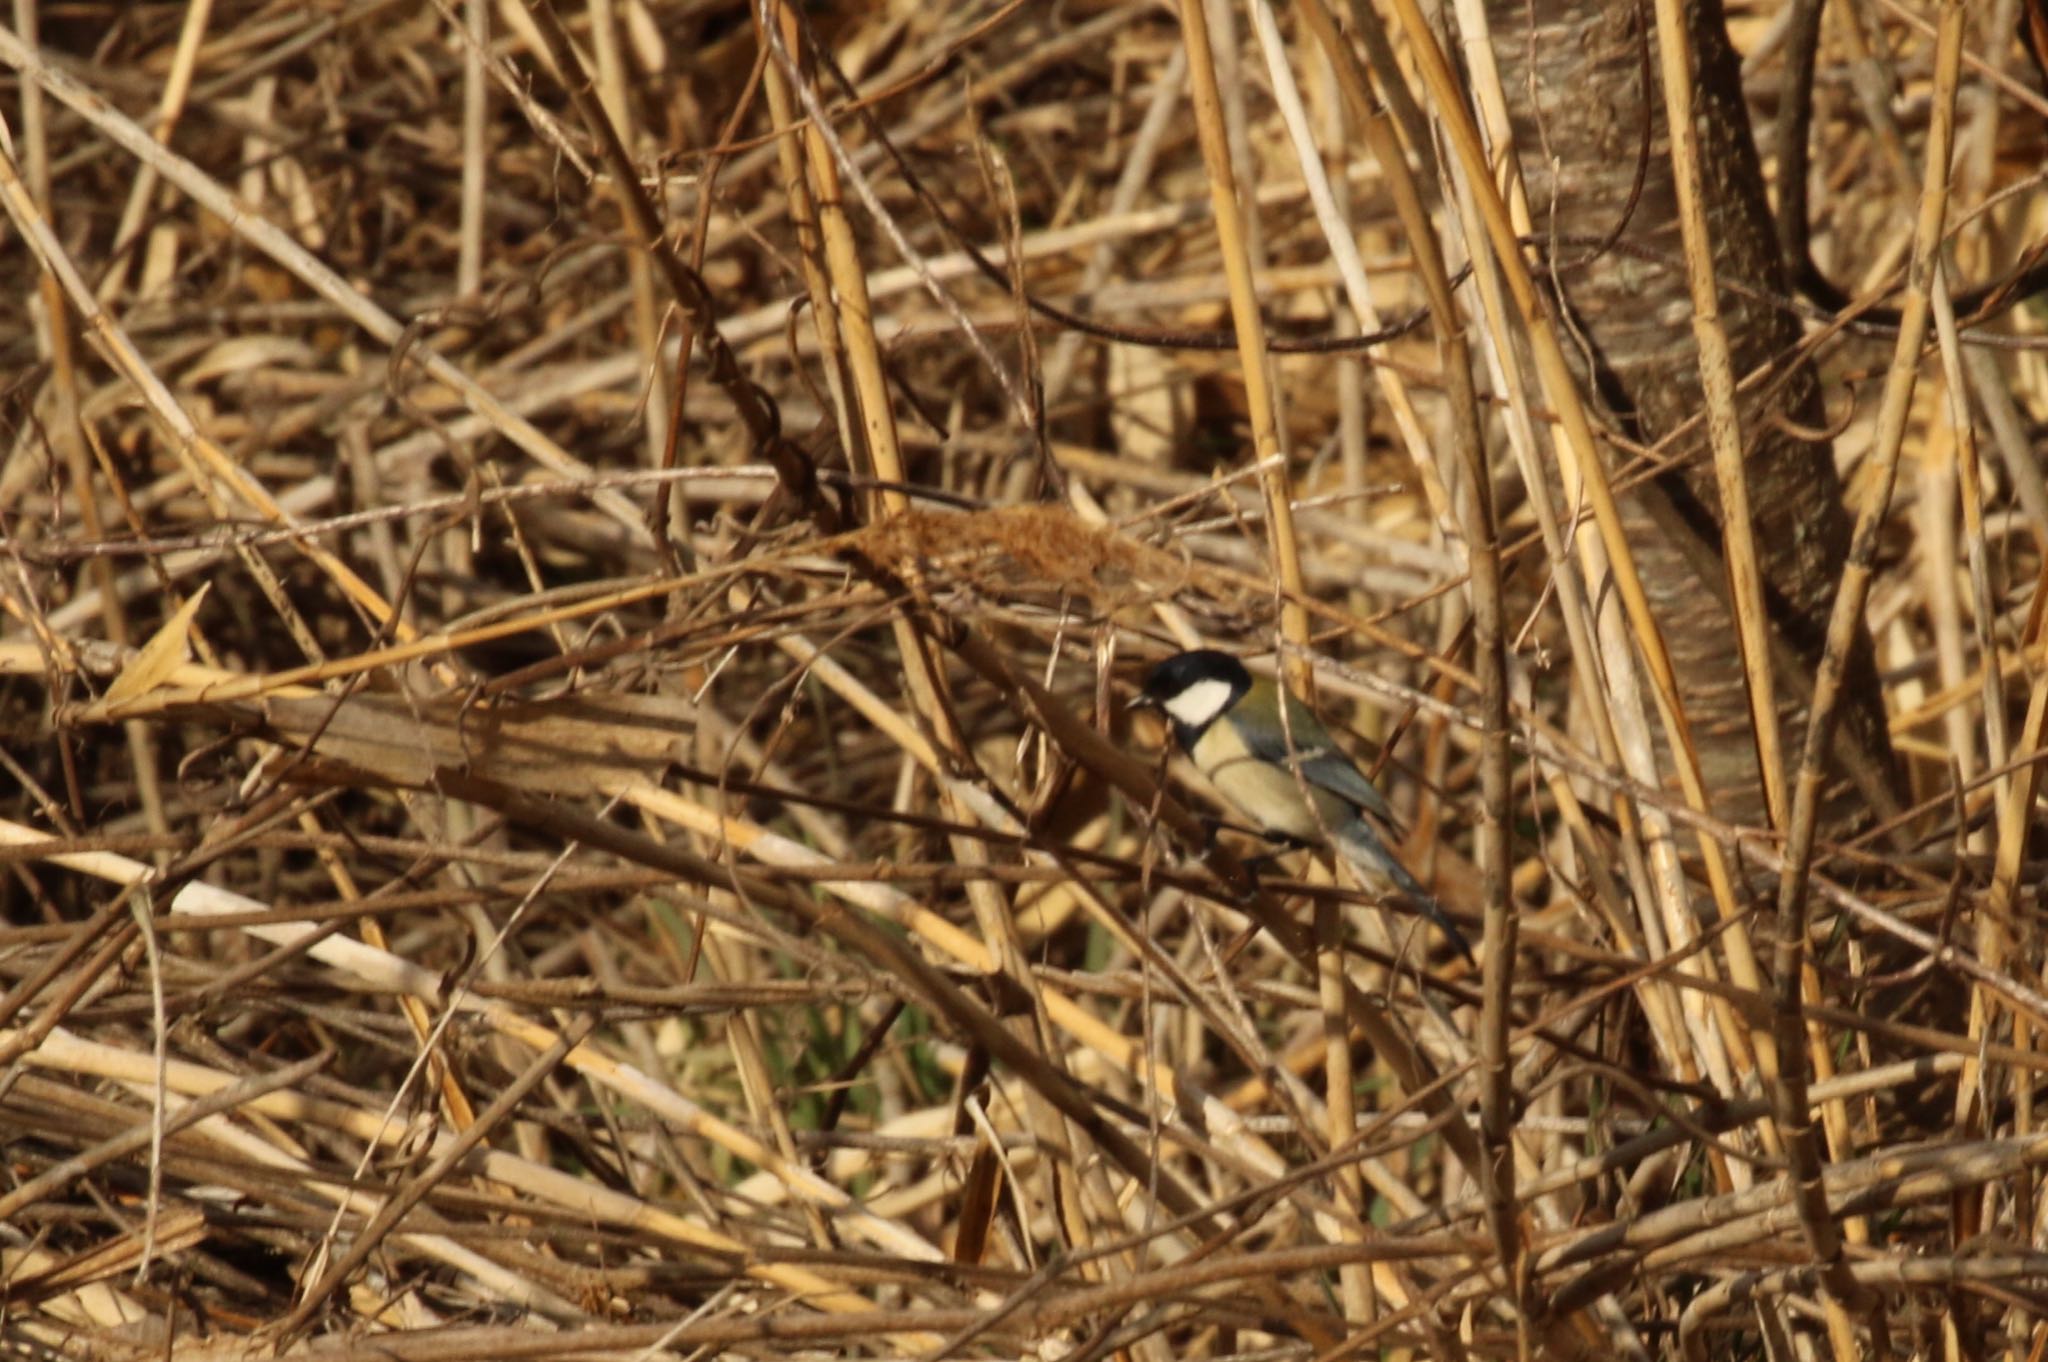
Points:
(1200, 703)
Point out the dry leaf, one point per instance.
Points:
(167, 650)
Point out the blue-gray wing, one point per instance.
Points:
(1323, 763)
(1336, 774)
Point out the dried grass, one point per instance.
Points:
(521, 846)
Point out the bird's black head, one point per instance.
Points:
(1192, 689)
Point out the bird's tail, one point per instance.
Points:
(1361, 844)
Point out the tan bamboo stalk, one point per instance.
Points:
(1497, 1102)
(1260, 397)
(1790, 1101)
(1582, 465)
(1608, 700)
(1745, 581)
(1724, 422)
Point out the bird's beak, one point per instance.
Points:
(1141, 701)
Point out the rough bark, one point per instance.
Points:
(1580, 84)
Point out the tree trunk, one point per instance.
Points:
(1580, 80)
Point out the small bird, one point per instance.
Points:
(1229, 725)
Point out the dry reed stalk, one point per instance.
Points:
(1727, 1054)
(1606, 695)
(1792, 1104)
(287, 252)
(1746, 586)
(1250, 327)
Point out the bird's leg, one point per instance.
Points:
(1282, 844)
(1286, 841)
(1257, 866)
(1212, 825)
